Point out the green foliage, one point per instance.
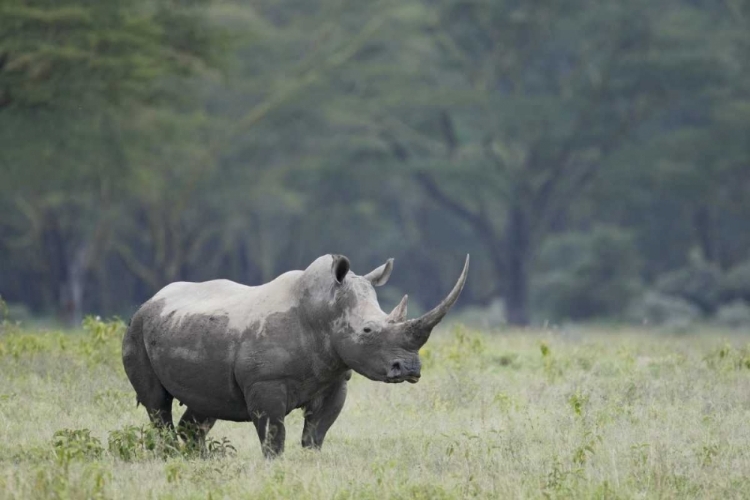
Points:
(583, 275)
(578, 403)
(698, 283)
(728, 357)
(99, 345)
(151, 141)
(137, 443)
(84, 53)
(654, 308)
(735, 283)
(6, 325)
(465, 345)
(75, 444)
(133, 443)
(17, 344)
(103, 340)
(734, 315)
(101, 332)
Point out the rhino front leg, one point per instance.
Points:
(267, 403)
(321, 414)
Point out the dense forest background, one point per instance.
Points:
(592, 156)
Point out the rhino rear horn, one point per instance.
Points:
(399, 312)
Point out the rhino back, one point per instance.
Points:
(241, 305)
(193, 332)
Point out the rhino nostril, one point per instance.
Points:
(396, 368)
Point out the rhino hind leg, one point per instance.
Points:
(321, 413)
(266, 404)
(148, 389)
(194, 427)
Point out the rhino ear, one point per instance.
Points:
(340, 268)
(379, 276)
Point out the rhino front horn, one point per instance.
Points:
(420, 328)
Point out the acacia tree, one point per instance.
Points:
(683, 187)
(542, 94)
(72, 74)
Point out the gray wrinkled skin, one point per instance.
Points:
(234, 352)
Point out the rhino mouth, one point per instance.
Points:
(412, 379)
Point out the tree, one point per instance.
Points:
(542, 95)
(71, 74)
(682, 186)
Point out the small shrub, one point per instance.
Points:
(507, 359)
(735, 285)
(544, 349)
(578, 403)
(101, 332)
(586, 275)
(561, 481)
(174, 471)
(133, 443)
(466, 347)
(103, 341)
(655, 308)
(18, 344)
(137, 443)
(708, 452)
(75, 444)
(734, 315)
(698, 283)
(7, 321)
(219, 448)
(587, 448)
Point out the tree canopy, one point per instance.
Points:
(585, 153)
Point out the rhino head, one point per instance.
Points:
(381, 346)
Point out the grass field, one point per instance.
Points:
(580, 414)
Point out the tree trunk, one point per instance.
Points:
(73, 288)
(703, 225)
(517, 251)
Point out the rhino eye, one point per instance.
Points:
(368, 329)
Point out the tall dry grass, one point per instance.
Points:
(606, 413)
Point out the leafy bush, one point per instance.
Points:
(102, 331)
(585, 275)
(735, 285)
(655, 308)
(137, 443)
(103, 341)
(734, 315)
(133, 443)
(7, 324)
(699, 283)
(17, 344)
(75, 444)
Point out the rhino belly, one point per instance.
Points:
(194, 359)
